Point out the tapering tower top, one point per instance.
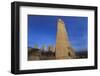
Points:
(60, 20)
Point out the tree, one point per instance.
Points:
(43, 47)
(36, 46)
(49, 47)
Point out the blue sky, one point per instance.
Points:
(42, 30)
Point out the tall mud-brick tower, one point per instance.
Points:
(63, 47)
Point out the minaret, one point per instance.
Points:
(63, 47)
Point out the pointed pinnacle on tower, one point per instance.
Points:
(60, 20)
